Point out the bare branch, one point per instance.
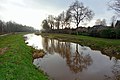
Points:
(115, 5)
(80, 13)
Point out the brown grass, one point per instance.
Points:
(2, 50)
(38, 54)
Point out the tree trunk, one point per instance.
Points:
(77, 28)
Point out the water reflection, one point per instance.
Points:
(71, 61)
(76, 60)
(115, 71)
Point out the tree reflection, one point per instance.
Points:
(115, 71)
(45, 43)
(75, 59)
(79, 61)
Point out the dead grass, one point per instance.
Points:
(38, 53)
(3, 50)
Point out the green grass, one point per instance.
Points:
(110, 47)
(16, 62)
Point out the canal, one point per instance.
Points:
(72, 61)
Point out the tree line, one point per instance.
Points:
(78, 13)
(8, 27)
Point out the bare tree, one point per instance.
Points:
(45, 25)
(103, 22)
(62, 18)
(1, 26)
(57, 23)
(80, 13)
(67, 19)
(51, 21)
(98, 22)
(113, 19)
(115, 5)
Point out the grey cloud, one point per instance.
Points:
(1, 4)
(58, 4)
(1, 1)
(18, 4)
(2, 8)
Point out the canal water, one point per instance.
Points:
(71, 61)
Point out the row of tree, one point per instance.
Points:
(102, 30)
(76, 13)
(8, 27)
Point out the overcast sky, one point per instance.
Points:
(32, 12)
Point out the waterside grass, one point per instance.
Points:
(110, 47)
(16, 60)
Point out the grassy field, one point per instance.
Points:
(16, 60)
(109, 47)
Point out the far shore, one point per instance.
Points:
(110, 47)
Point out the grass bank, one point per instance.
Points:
(16, 60)
(109, 47)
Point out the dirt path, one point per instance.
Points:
(4, 34)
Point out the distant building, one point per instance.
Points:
(98, 27)
(117, 25)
